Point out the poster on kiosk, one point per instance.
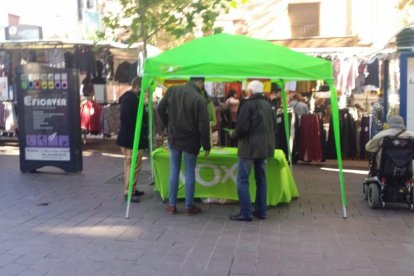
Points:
(49, 118)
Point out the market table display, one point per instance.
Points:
(216, 176)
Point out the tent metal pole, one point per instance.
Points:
(151, 131)
(335, 121)
(286, 123)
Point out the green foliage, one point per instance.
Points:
(146, 20)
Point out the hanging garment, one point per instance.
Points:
(85, 60)
(111, 122)
(364, 135)
(348, 136)
(344, 74)
(4, 89)
(108, 68)
(122, 72)
(69, 60)
(294, 134)
(56, 58)
(377, 112)
(352, 75)
(5, 61)
(373, 77)
(10, 118)
(290, 86)
(310, 138)
(2, 118)
(91, 117)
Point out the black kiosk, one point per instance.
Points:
(49, 118)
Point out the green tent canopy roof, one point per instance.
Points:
(235, 57)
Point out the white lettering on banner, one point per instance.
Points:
(214, 181)
(230, 173)
(29, 101)
(221, 174)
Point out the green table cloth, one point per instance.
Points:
(216, 176)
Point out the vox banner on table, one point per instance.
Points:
(49, 118)
(216, 176)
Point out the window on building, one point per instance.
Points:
(80, 10)
(90, 4)
(304, 19)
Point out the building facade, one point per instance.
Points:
(63, 19)
(316, 23)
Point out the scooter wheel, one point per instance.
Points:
(373, 196)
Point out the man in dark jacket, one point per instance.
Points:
(184, 111)
(129, 108)
(255, 130)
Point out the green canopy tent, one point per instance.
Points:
(225, 57)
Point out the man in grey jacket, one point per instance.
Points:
(184, 111)
(255, 130)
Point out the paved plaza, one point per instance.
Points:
(53, 223)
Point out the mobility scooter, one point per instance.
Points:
(393, 182)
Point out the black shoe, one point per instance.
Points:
(134, 198)
(240, 217)
(139, 193)
(258, 215)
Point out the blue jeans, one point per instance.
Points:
(175, 166)
(244, 166)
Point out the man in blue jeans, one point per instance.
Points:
(255, 130)
(183, 110)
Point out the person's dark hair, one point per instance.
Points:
(87, 88)
(197, 79)
(136, 82)
(231, 93)
(275, 88)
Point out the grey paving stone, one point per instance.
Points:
(29, 272)
(117, 267)
(12, 269)
(218, 269)
(7, 258)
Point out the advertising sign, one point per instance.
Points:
(49, 118)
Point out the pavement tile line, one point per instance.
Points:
(144, 177)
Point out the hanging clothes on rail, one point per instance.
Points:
(8, 119)
(311, 137)
(364, 135)
(91, 117)
(373, 77)
(348, 127)
(281, 142)
(110, 119)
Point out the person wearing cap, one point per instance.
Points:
(183, 110)
(396, 127)
(255, 130)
